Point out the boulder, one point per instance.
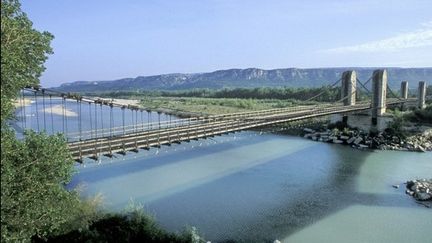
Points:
(409, 184)
(351, 140)
(420, 149)
(308, 130)
(423, 196)
(344, 137)
(358, 140)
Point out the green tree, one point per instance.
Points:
(33, 198)
(23, 53)
(34, 170)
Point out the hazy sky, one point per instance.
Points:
(105, 40)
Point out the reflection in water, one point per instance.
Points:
(250, 188)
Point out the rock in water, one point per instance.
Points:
(396, 186)
(423, 196)
(421, 189)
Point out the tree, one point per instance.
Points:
(23, 53)
(34, 170)
(33, 198)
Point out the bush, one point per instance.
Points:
(134, 226)
(420, 116)
(395, 127)
(33, 198)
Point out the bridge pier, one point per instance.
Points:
(348, 94)
(422, 95)
(379, 86)
(404, 90)
(349, 83)
(404, 93)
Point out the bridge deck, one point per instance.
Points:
(211, 127)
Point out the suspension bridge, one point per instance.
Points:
(102, 135)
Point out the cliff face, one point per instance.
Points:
(250, 77)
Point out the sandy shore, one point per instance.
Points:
(58, 110)
(22, 102)
(126, 102)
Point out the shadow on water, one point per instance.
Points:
(262, 203)
(147, 159)
(291, 211)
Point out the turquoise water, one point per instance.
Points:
(252, 187)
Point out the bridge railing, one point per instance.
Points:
(141, 127)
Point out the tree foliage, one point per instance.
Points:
(23, 53)
(35, 205)
(33, 198)
(34, 170)
(134, 226)
(319, 94)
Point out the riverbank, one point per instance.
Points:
(22, 102)
(359, 139)
(190, 106)
(410, 137)
(126, 102)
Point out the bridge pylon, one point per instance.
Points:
(349, 83)
(379, 86)
(404, 90)
(422, 95)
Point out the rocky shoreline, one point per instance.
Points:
(381, 140)
(420, 189)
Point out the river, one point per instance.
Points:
(258, 187)
(254, 187)
(40, 117)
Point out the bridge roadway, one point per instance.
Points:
(132, 139)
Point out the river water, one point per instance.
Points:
(254, 187)
(45, 114)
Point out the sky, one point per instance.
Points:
(107, 40)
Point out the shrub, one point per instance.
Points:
(134, 226)
(33, 198)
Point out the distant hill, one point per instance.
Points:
(248, 78)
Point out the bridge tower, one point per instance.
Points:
(404, 90)
(422, 95)
(379, 86)
(349, 82)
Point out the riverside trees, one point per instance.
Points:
(33, 171)
(35, 205)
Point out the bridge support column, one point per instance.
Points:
(379, 86)
(404, 90)
(349, 83)
(404, 94)
(348, 91)
(422, 95)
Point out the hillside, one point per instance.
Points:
(251, 77)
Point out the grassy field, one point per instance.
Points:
(213, 105)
